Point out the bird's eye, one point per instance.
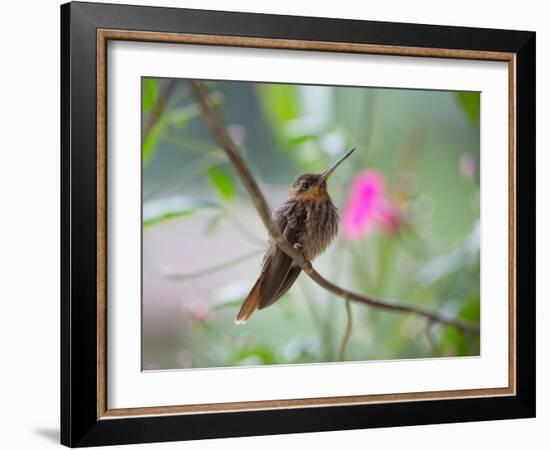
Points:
(304, 187)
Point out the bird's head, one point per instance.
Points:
(312, 187)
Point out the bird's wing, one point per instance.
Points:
(278, 272)
(289, 280)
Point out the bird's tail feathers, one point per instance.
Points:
(250, 304)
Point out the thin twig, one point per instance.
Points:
(176, 275)
(179, 178)
(430, 337)
(245, 231)
(225, 141)
(158, 107)
(347, 333)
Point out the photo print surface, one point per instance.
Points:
(395, 221)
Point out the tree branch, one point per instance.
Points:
(224, 140)
(158, 107)
(347, 333)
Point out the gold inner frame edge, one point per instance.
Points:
(103, 36)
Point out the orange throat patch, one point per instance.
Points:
(315, 194)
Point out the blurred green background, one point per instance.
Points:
(203, 241)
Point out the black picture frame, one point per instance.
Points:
(80, 425)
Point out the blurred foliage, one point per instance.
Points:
(280, 103)
(155, 213)
(424, 145)
(470, 102)
(222, 182)
(150, 143)
(149, 93)
(169, 119)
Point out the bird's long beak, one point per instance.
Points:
(327, 173)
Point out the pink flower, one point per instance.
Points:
(368, 205)
(200, 311)
(197, 308)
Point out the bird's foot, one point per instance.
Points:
(307, 267)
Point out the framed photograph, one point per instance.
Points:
(276, 224)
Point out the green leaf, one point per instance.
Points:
(150, 143)
(280, 103)
(470, 103)
(149, 91)
(470, 309)
(456, 342)
(165, 217)
(221, 182)
(213, 224)
(254, 356)
(158, 211)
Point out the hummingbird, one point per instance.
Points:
(309, 221)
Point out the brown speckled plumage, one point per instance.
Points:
(313, 224)
(309, 220)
